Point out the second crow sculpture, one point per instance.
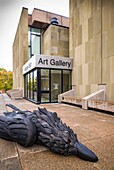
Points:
(42, 127)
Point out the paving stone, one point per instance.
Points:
(50, 161)
(7, 149)
(10, 164)
(94, 129)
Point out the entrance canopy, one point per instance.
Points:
(45, 61)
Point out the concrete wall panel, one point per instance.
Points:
(85, 38)
(20, 50)
(56, 41)
(92, 31)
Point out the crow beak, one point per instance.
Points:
(84, 153)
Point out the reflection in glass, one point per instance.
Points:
(48, 85)
(29, 53)
(28, 35)
(31, 85)
(33, 41)
(66, 80)
(28, 86)
(35, 85)
(44, 79)
(25, 93)
(35, 44)
(55, 84)
(35, 31)
(44, 97)
(44, 85)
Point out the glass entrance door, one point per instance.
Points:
(50, 85)
(45, 85)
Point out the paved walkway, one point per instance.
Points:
(94, 129)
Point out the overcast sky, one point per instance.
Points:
(10, 11)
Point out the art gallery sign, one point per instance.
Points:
(44, 61)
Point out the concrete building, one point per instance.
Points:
(41, 50)
(89, 42)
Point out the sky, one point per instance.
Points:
(10, 11)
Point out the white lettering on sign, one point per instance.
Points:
(28, 66)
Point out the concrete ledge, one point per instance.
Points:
(101, 105)
(72, 100)
(11, 91)
(69, 93)
(98, 95)
(17, 98)
(95, 100)
(15, 93)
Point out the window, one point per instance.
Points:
(28, 86)
(35, 44)
(35, 85)
(29, 52)
(66, 80)
(31, 85)
(28, 36)
(55, 84)
(44, 79)
(25, 87)
(44, 85)
(33, 41)
(35, 31)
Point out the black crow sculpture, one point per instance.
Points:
(45, 128)
(18, 127)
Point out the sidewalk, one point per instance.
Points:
(93, 129)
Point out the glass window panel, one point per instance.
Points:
(35, 85)
(44, 85)
(44, 79)
(66, 80)
(31, 85)
(28, 86)
(25, 85)
(29, 53)
(44, 97)
(29, 36)
(35, 44)
(55, 84)
(35, 31)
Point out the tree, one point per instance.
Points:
(6, 79)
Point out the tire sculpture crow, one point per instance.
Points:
(42, 127)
